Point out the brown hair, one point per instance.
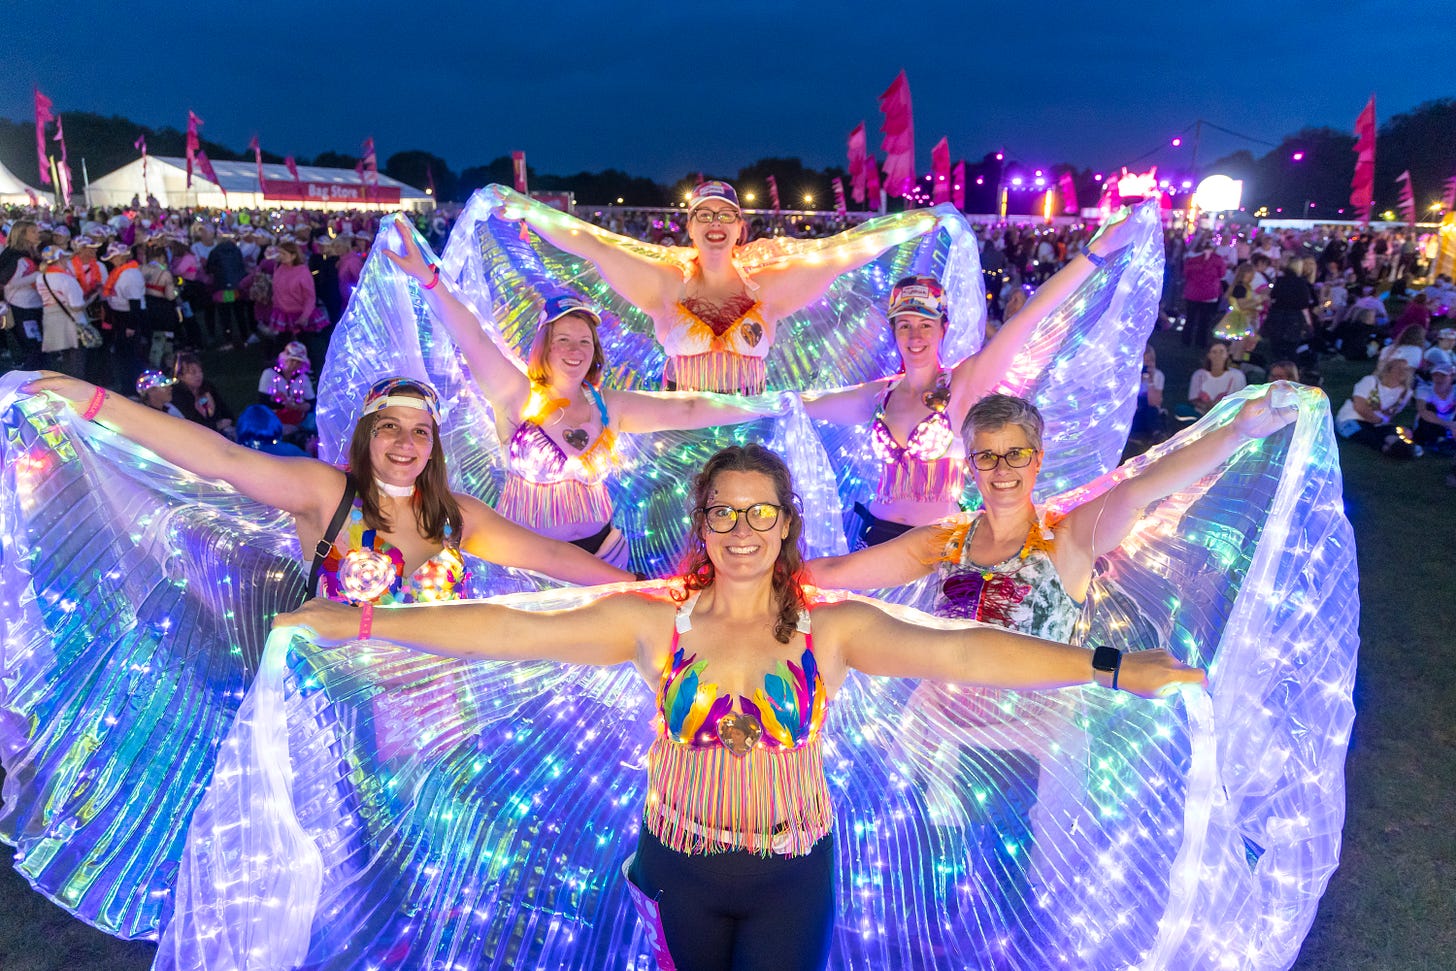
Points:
(434, 504)
(539, 372)
(293, 249)
(698, 571)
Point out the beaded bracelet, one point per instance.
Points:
(93, 407)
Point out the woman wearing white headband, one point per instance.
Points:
(392, 504)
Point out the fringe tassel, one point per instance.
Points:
(537, 504)
(690, 789)
(720, 371)
(935, 480)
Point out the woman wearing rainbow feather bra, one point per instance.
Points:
(739, 871)
(713, 313)
(558, 425)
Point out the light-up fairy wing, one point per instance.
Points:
(1080, 366)
(1077, 828)
(136, 602)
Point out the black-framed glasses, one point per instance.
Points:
(716, 215)
(1015, 458)
(762, 516)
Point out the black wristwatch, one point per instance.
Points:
(1106, 664)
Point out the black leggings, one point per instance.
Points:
(737, 911)
(873, 530)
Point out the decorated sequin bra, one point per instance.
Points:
(717, 348)
(751, 778)
(544, 485)
(371, 568)
(931, 465)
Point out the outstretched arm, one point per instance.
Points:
(604, 632)
(300, 486)
(792, 286)
(844, 406)
(497, 373)
(1103, 523)
(974, 377)
(904, 559)
(643, 282)
(872, 641)
(656, 411)
(491, 536)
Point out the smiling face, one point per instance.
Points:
(570, 349)
(918, 339)
(715, 235)
(1218, 357)
(1004, 488)
(744, 553)
(401, 441)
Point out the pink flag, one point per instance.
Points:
(840, 206)
(872, 181)
(371, 161)
(1362, 186)
(64, 169)
(43, 115)
(292, 167)
(1448, 201)
(899, 142)
(773, 192)
(940, 172)
(518, 168)
(257, 160)
(1068, 188)
(1407, 197)
(958, 185)
(193, 144)
(141, 146)
(858, 152)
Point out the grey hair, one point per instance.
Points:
(998, 410)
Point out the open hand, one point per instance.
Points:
(1113, 234)
(73, 390)
(331, 623)
(1260, 417)
(413, 261)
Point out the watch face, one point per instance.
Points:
(1105, 658)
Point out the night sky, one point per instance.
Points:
(662, 90)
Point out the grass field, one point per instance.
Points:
(1392, 903)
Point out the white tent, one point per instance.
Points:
(17, 193)
(238, 187)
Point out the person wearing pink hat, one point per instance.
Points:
(714, 317)
(287, 387)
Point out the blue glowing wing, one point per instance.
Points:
(136, 602)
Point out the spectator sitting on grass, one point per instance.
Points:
(1436, 410)
(1212, 382)
(1368, 416)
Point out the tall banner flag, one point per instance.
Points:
(958, 186)
(141, 146)
(1067, 188)
(518, 166)
(1362, 186)
(773, 193)
(371, 161)
(1448, 201)
(64, 168)
(940, 172)
(193, 144)
(840, 206)
(43, 116)
(205, 169)
(872, 182)
(257, 160)
(292, 167)
(899, 141)
(858, 152)
(1407, 198)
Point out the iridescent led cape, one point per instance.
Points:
(378, 807)
(136, 600)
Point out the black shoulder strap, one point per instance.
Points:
(321, 551)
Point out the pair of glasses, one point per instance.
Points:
(761, 516)
(719, 215)
(1015, 458)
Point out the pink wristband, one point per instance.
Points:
(366, 620)
(434, 279)
(93, 407)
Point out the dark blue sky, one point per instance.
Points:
(661, 90)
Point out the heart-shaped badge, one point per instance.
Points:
(752, 332)
(576, 438)
(739, 733)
